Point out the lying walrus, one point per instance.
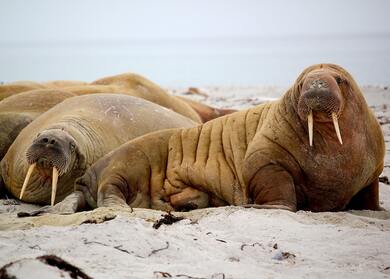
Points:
(130, 80)
(14, 88)
(17, 111)
(318, 148)
(129, 84)
(64, 141)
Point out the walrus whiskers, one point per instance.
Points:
(336, 126)
(310, 127)
(54, 185)
(29, 172)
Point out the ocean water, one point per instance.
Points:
(198, 62)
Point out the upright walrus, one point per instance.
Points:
(318, 148)
(64, 141)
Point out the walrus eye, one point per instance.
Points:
(339, 80)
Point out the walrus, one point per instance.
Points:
(14, 88)
(63, 142)
(129, 84)
(17, 111)
(131, 80)
(318, 148)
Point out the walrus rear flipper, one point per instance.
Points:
(367, 198)
(205, 112)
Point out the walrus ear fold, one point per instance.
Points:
(345, 86)
(72, 147)
(79, 155)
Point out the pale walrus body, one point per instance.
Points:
(71, 136)
(266, 157)
(16, 112)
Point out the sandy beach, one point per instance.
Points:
(226, 242)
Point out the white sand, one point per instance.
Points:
(227, 242)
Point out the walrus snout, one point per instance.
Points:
(52, 149)
(321, 101)
(47, 155)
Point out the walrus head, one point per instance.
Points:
(53, 154)
(322, 90)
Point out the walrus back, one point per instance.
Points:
(7, 90)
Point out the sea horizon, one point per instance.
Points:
(235, 61)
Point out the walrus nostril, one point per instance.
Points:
(47, 140)
(318, 83)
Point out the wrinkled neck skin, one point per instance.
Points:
(327, 174)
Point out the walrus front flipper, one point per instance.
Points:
(273, 187)
(71, 204)
(110, 195)
(367, 198)
(267, 206)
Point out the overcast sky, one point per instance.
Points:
(39, 20)
(86, 39)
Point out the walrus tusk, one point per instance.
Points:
(336, 126)
(310, 127)
(54, 185)
(29, 172)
